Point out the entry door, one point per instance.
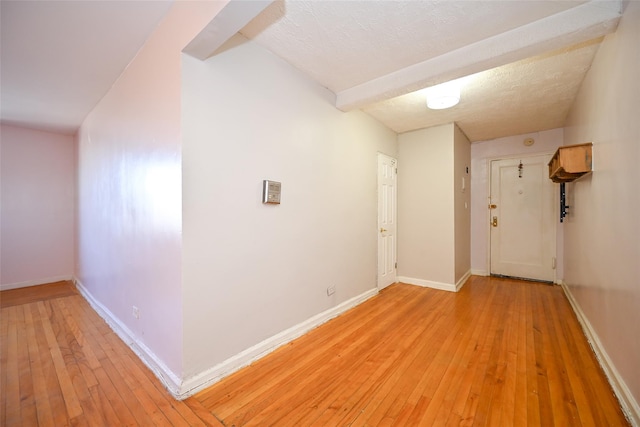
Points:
(387, 219)
(522, 220)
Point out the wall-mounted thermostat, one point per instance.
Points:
(271, 192)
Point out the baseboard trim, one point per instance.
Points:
(630, 407)
(170, 380)
(463, 280)
(476, 272)
(26, 284)
(250, 355)
(427, 283)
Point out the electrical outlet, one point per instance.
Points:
(136, 312)
(331, 290)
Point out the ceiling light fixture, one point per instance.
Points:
(444, 95)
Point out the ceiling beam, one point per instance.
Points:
(585, 22)
(231, 19)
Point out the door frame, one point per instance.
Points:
(395, 207)
(487, 213)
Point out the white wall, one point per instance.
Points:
(426, 241)
(129, 206)
(481, 154)
(602, 231)
(37, 207)
(462, 203)
(251, 270)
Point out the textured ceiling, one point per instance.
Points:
(526, 96)
(526, 71)
(345, 43)
(58, 57)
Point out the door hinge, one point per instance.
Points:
(396, 265)
(553, 263)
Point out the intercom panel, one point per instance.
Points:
(271, 192)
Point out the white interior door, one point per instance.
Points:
(522, 219)
(387, 218)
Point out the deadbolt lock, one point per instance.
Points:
(495, 221)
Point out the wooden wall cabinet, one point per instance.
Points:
(570, 162)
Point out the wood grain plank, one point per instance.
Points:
(153, 392)
(239, 385)
(501, 404)
(520, 368)
(108, 415)
(4, 354)
(562, 399)
(474, 323)
(54, 392)
(12, 398)
(533, 401)
(320, 367)
(40, 392)
(486, 364)
(71, 401)
(116, 400)
(28, 411)
(540, 349)
(391, 352)
(202, 413)
(33, 294)
(466, 396)
(84, 350)
(590, 381)
(124, 392)
(389, 399)
(499, 352)
(467, 366)
(81, 377)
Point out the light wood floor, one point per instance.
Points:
(62, 365)
(500, 352)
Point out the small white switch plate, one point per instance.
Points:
(136, 312)
(331, 290)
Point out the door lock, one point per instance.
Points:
(495, 221)
(382, 230)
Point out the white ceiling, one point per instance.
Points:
(345, 43)
(526, 96)
(528, 58)
(59, 58)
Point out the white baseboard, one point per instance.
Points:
(629, 405)
(248, 356)
(26, 284)
(436, 285)
(463, 280)
(477, 272)
(170, 380)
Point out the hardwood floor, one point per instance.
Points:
(499, 352)
(62, 365)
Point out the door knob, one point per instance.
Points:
(495, 221)
(382, 230)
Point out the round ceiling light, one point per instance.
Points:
(444, 95)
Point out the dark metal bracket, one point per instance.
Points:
(563, 203)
